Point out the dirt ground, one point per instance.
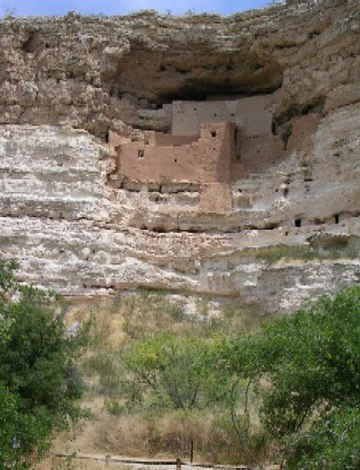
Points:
(99, 462)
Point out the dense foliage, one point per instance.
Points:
(289, 387)
(307, 367)
(332, 442)
(174, 372)
(39, 383)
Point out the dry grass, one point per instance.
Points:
(330, 247)
(58, 463)
(142, 314)
(165, 434)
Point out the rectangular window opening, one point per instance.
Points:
(237, 144)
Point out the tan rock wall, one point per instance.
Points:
(75, 236)
(215, 198)
(96, 73)
(65, 80)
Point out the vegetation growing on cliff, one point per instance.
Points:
(329, 247)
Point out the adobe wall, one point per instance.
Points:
(210, 159)
(188, 116)
(206, 159)
(152, 138)
(214, 157)
(216, 141)
(259, 152)
(140, 162)
(217, 152)
(168, 140)
(252, 114)
(302, 129)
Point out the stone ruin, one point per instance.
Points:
(212, 144)
(178, 153)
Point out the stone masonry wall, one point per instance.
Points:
(253, 114)
(208, 159)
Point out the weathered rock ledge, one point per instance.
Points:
(277, 231)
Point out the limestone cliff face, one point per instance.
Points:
(272, 224)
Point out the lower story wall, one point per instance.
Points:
(162, 164)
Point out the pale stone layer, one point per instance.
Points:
(79, 223)
(72, 232)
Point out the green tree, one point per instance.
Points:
(174, 372)
(39, 382)
(20, 432)
(333, 442)
(307, 366)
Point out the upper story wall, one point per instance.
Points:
(303, 128)
(251, 114)
(169, 140)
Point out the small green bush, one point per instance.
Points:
(332, 443)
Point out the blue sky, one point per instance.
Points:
(119, 7)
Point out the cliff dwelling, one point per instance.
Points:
(154, 150)
(212, 144)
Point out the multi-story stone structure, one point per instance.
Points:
(213, 143)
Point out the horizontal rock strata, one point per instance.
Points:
(280, 230)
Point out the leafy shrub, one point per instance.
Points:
(332, 443)
(307, 365)
(39, 380)
(174, 372)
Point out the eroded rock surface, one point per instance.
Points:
(105, 186)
